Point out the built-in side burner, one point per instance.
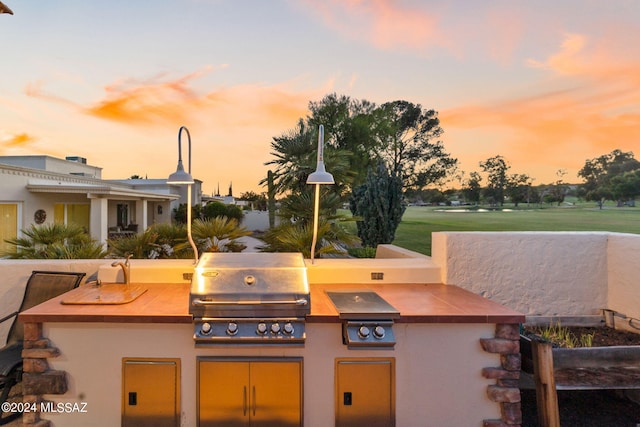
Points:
(367, 319)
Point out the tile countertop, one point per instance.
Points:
(168, 303)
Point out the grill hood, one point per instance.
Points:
(249, 285)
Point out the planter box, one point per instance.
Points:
(585, 368)
(588, 368)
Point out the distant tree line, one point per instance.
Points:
(614, 177)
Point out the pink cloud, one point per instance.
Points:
(386, 25)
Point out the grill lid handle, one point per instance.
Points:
(302, 301)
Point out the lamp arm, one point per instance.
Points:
(191, 242)
(316, 209)
(180, 145)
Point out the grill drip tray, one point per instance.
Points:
(367, 319)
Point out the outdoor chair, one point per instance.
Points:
(41, 286)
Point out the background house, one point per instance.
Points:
(43, 189)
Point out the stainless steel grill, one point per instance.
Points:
(256, 298)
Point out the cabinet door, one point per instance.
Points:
(365, 391)
(150, 392)
(276, 393)
(223, 394)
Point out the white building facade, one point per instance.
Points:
(43, 189)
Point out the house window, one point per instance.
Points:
(9, 225)
(72, 213)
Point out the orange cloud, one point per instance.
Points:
(18, 140)
(143, 103)
(593, 111)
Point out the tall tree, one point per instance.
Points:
(350, 125)
(496, 168)
(626, 186)
(518, 188)
(409, 145)
(471, 189)
(599, 172)
(557, 191)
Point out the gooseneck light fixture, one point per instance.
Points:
(184, 178)
(318, 178)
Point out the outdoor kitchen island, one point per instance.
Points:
(454, 361)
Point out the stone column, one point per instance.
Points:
(506, 391)
(38, 379)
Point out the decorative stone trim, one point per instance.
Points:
(505, 391)
(37, 378)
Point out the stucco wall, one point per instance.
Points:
(536, 273)
(438, 369)
(624, 278)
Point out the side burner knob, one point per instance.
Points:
(378, 332)
(205, 328)
(232, 328)
(363, 332)
(287, 328)
(261, 329)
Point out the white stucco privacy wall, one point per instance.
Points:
(624, 277)
(536, 273)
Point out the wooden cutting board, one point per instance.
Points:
(112, 293)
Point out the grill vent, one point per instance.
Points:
(377, 275)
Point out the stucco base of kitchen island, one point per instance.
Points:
(438, 370)
(454, 363)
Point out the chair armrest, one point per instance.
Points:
(9, 316)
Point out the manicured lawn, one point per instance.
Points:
(418, 223)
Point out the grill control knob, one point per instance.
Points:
(205, 328)
(363, 332)
(287, 328)
(261, 329)
(378, 332)
(232, 328)
(275, 328)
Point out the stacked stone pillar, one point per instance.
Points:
(506, 390)
(37, 378)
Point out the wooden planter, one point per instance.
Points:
(586, 368)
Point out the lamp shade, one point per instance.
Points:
(180, 176)
(320, 176)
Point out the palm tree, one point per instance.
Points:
(218, 234)
(291, 237)
(295, 155)
(160, 241)
(55, 241)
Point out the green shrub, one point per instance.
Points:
(364, 252)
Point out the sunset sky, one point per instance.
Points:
(547, 84)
